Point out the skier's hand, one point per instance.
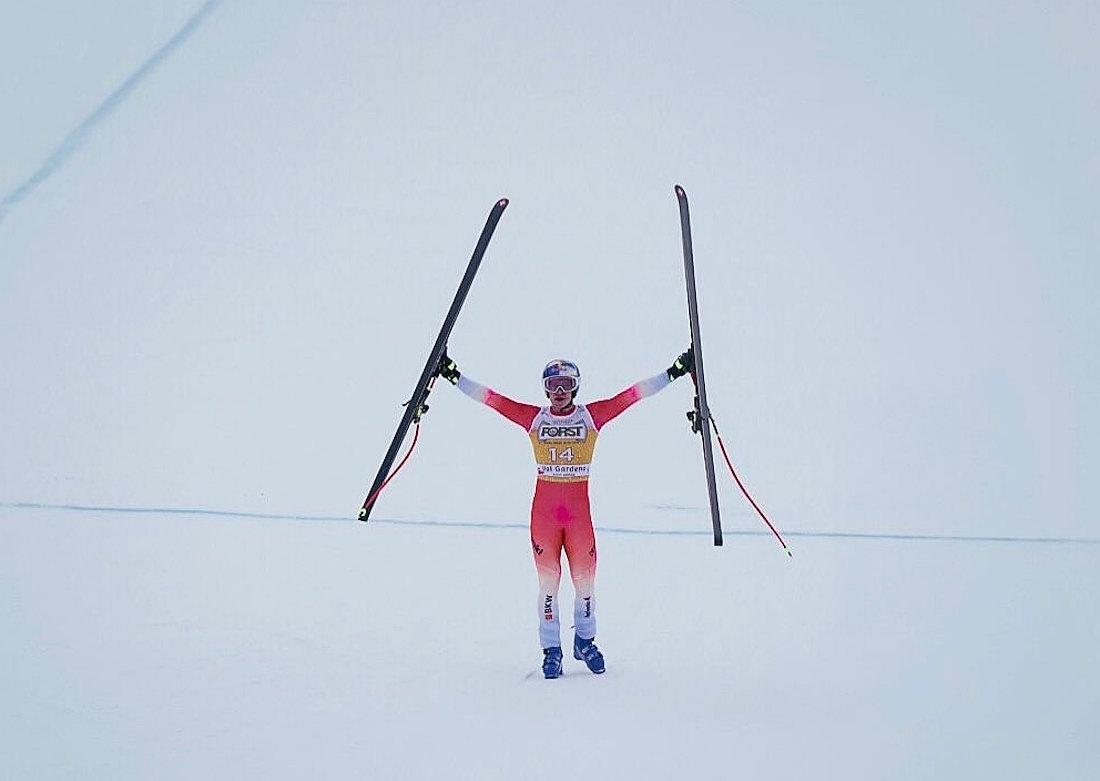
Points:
(682, 365)
(447, 369)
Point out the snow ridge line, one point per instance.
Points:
(79, 135)
(871, 536)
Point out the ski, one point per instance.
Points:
(414, 408)
(700, 416)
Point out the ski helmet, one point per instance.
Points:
(560, 370)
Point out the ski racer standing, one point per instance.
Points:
(563, 435)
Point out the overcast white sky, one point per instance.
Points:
(245, 255)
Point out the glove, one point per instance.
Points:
(682, 365)
(447, 369)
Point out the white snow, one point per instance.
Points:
(215, 297)
(141, 646)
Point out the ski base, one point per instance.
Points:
(700, 416)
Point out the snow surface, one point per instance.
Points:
(159, 646)
(228, 234)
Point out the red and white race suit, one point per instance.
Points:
(560, 514)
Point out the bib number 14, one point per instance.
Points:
(564, 455)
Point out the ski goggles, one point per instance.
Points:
(560, 384)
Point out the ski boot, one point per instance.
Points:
(586, 651)
(551, 662)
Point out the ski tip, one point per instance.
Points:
(680, 192)
(502, 203)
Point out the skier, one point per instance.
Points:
(563, 436)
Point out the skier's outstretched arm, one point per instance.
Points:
(607, 410)
(517, 412)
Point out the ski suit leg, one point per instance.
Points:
(547, 539)
(560, 517)
(580, 550)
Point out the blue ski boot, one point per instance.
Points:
(551, 662)
(586, 651)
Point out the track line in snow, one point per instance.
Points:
(80, 134)
(216, 513)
